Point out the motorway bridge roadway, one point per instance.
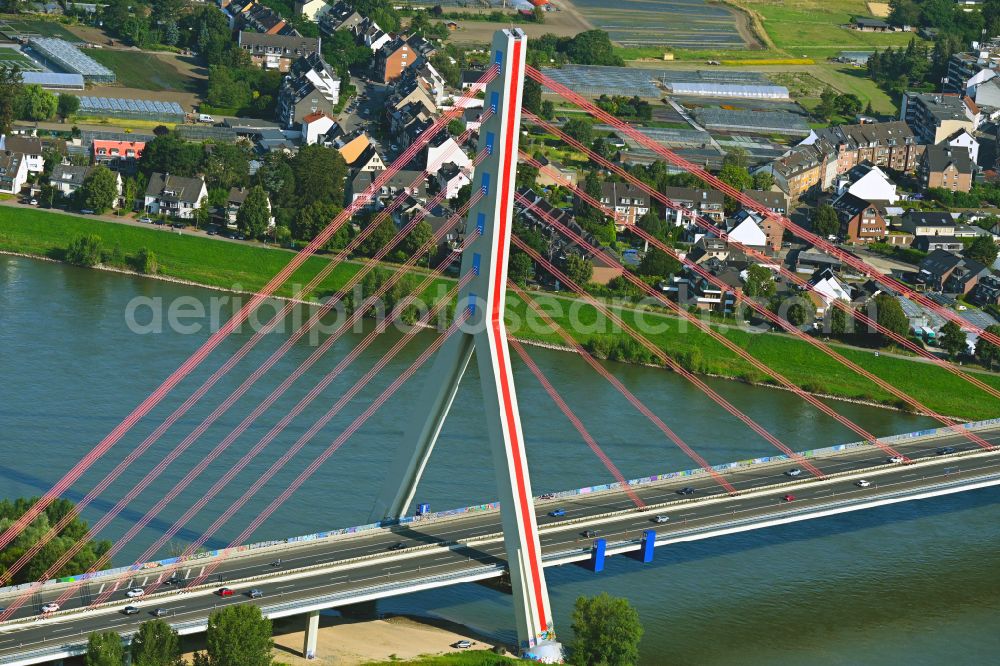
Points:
(318, 574)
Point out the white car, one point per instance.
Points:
(894, 459)
(795, 471)
(146, 219)
(462, 645)
(135, 592)
(861, 483)
(50, 607)
(661, 519)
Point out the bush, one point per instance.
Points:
(84, 250)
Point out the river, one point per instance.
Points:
(914, 583)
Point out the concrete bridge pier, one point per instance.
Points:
(312, 633)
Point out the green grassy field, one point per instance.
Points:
(43, 27)
(145, 71)
(246, 267)
(813, 27)
(9, 57)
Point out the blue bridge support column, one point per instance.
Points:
(648, 543)
(597, 552)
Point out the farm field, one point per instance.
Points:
(11, 56)
(41, 27)
(688, 24)
(813, 27)
(146, 71)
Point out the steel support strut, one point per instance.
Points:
(486, 260)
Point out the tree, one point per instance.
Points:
(657, 264)
(239, 636)
(227, 165)
(654, 225)
(580, 129)
(67, 105)
(548, 109)
(10, 91)
(84, 250)
(953, 339)
(381, 236)
(156, 644)
(592, 47)
(578, 269)
(889, 314)
(418, 239)
(825, 221)
(531, 98)
(760, 282)
(319, 175)
(987, 352)
(313, 219)
(827, 104)
(104, 649)
(763, 181)
(521, 268)
(606, 631)
(255, 213)
(36, 103)
(145, 261)
(983, 249)
(838, 321)
(100, 189)
(171, 154)
(796, 314)
(736, 176)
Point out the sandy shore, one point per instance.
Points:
(349, 642)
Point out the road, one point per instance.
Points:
(468, 544)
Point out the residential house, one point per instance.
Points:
(947, 168)
(934, 117)
(746, 228)
(890, 144)
(264, 19)
(316, 128)
(950, 273)
(694, 289)
(773, 201)
(121, 156)
(402, 181)
(964, 139)
(932, 243)
(237, 195)
(369, 160)
(174, 195)
(28, 146)
(368, 33)
(868, 183)
(923, 223)
(352, 146)
(705, 202)
(412, 89)
(803, 169)
(871, 25)
(628, 201)
(860, 220)
(313, 10)
(810, 261)
(276, 52)
(708, 248)
(451, 178)
(469, 77)
(340, 16)
(443, 150)
(828, 288)
(986, 292)
(554, 173)
(66, 179)
(310, 87)
(13, 172)
(391, 59)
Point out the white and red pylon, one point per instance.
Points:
(486, 260)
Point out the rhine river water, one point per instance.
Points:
(915, 583)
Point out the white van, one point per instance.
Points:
(205, 118)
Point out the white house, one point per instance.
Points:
(452, 178)
(829, 288)
(868, 183)
(174, 195)
(30, 147)
(237, 195)
(446, 152)
(13, 172)
(963, 139)
(315, 126)
(746, 229)
(312, 9)
(66, 179)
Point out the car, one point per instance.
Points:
(225, 592)
(788, 498)
(659, 520)
(130, 610)
(462, 645)
(894, 459)
(686, 490)
(211, 232)
(158, 612)
(589, 534)
(33, 202)
(276, 563)
(50, 607)
(862, 483)
(173, 580)
(86, 211)
(557, 513)
(146, 219)
(397, 546)
(255, 593)
(546, 496)
(159, 223)
(177, 225)
(795, 471)
(135, 592)
(240, 237)
(945, 450)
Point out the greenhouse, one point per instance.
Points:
(729, 90)
(139, 109)
(66, 57)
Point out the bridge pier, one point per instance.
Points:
(312, 633)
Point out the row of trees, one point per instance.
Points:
(591, 47)
(30, 102)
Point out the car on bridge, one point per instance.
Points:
(795, 471)
(589, 534)
(130, 610)
(159, 612)
(255, 593)
(945, 450)
(788, 498)
(659, 520)
(894, 459)
(225, 592)
(50, 607)
(686, 490)
(557, 513)
(135, 592)
(862, 483)
(397, 546)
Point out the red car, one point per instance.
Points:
(225, 592)
(788, 498)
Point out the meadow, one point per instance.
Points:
(145, 71)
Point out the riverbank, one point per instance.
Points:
(247, 268)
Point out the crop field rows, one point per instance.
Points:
(14, 28)
(689, 24)
(11, 56)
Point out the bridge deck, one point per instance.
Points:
(322, 574)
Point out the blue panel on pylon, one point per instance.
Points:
(486, 183)
(498, 58)
(494, 101)
(472, 304)
(481, 223)
(490, 138)
(597, 555)
(648, 543)
(476, 260)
